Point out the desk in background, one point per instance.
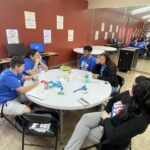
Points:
(50, 58)
(4, 63)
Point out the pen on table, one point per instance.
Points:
(81, 102)
(84, 100)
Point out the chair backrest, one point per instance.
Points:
(37, 118)
(121, 81)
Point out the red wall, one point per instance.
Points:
(115, 18)
(76, 16)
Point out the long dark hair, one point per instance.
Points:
(139, 102)
(109, 63)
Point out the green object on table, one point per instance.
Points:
(86, 78)
(86, 92)
(60, 93)
(64, 68)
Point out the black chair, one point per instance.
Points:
(23, 124)
(37, 118)
(121, 81)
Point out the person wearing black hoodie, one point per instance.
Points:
(106, 70)
(126, 115)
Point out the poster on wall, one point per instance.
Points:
(117, 28)
(47, 36)
(110, 28)
(70, 35)
(113, 35)
(106, 35)
(12, 36)
(103, 26)
(30, 20)
(96, 35)
(60, 22)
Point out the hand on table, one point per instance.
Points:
(95, 76)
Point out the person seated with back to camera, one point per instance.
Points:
(11, 91)
(87, 61)
(33, 63)
(106, 70)
(126, 115)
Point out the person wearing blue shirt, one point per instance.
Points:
(106, 70)
(11, 90)
(34, 62)
(142, 46)
(133, 42)
(87, 61)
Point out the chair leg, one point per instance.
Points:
(56, 141)
(23, 139)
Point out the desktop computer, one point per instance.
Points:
(37, 46)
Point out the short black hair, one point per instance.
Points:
(16, 61)
(31, 52)
(88, 48)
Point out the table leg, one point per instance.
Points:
(61, 127)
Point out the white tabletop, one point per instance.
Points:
(105, 48)
(98, 91)
(97, 50)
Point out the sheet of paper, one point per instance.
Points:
(39, 92)
(12, 36)
(110, 28)
(30, 20)
(60, 22)
(103, 26)
(70, 35)
(106, 35)
(113, 35)
(47, 36)
(117, 28)
(96, 35)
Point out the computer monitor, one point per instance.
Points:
(37, 46)
(15, 49)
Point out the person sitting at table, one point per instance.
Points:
(126, 115)
(87, 61)
(133, 42)
(142, 46)
(11, 90)
(106, 70)
(34, 62)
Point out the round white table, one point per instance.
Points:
(104, 48)
(97, 91)
(97, 50)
